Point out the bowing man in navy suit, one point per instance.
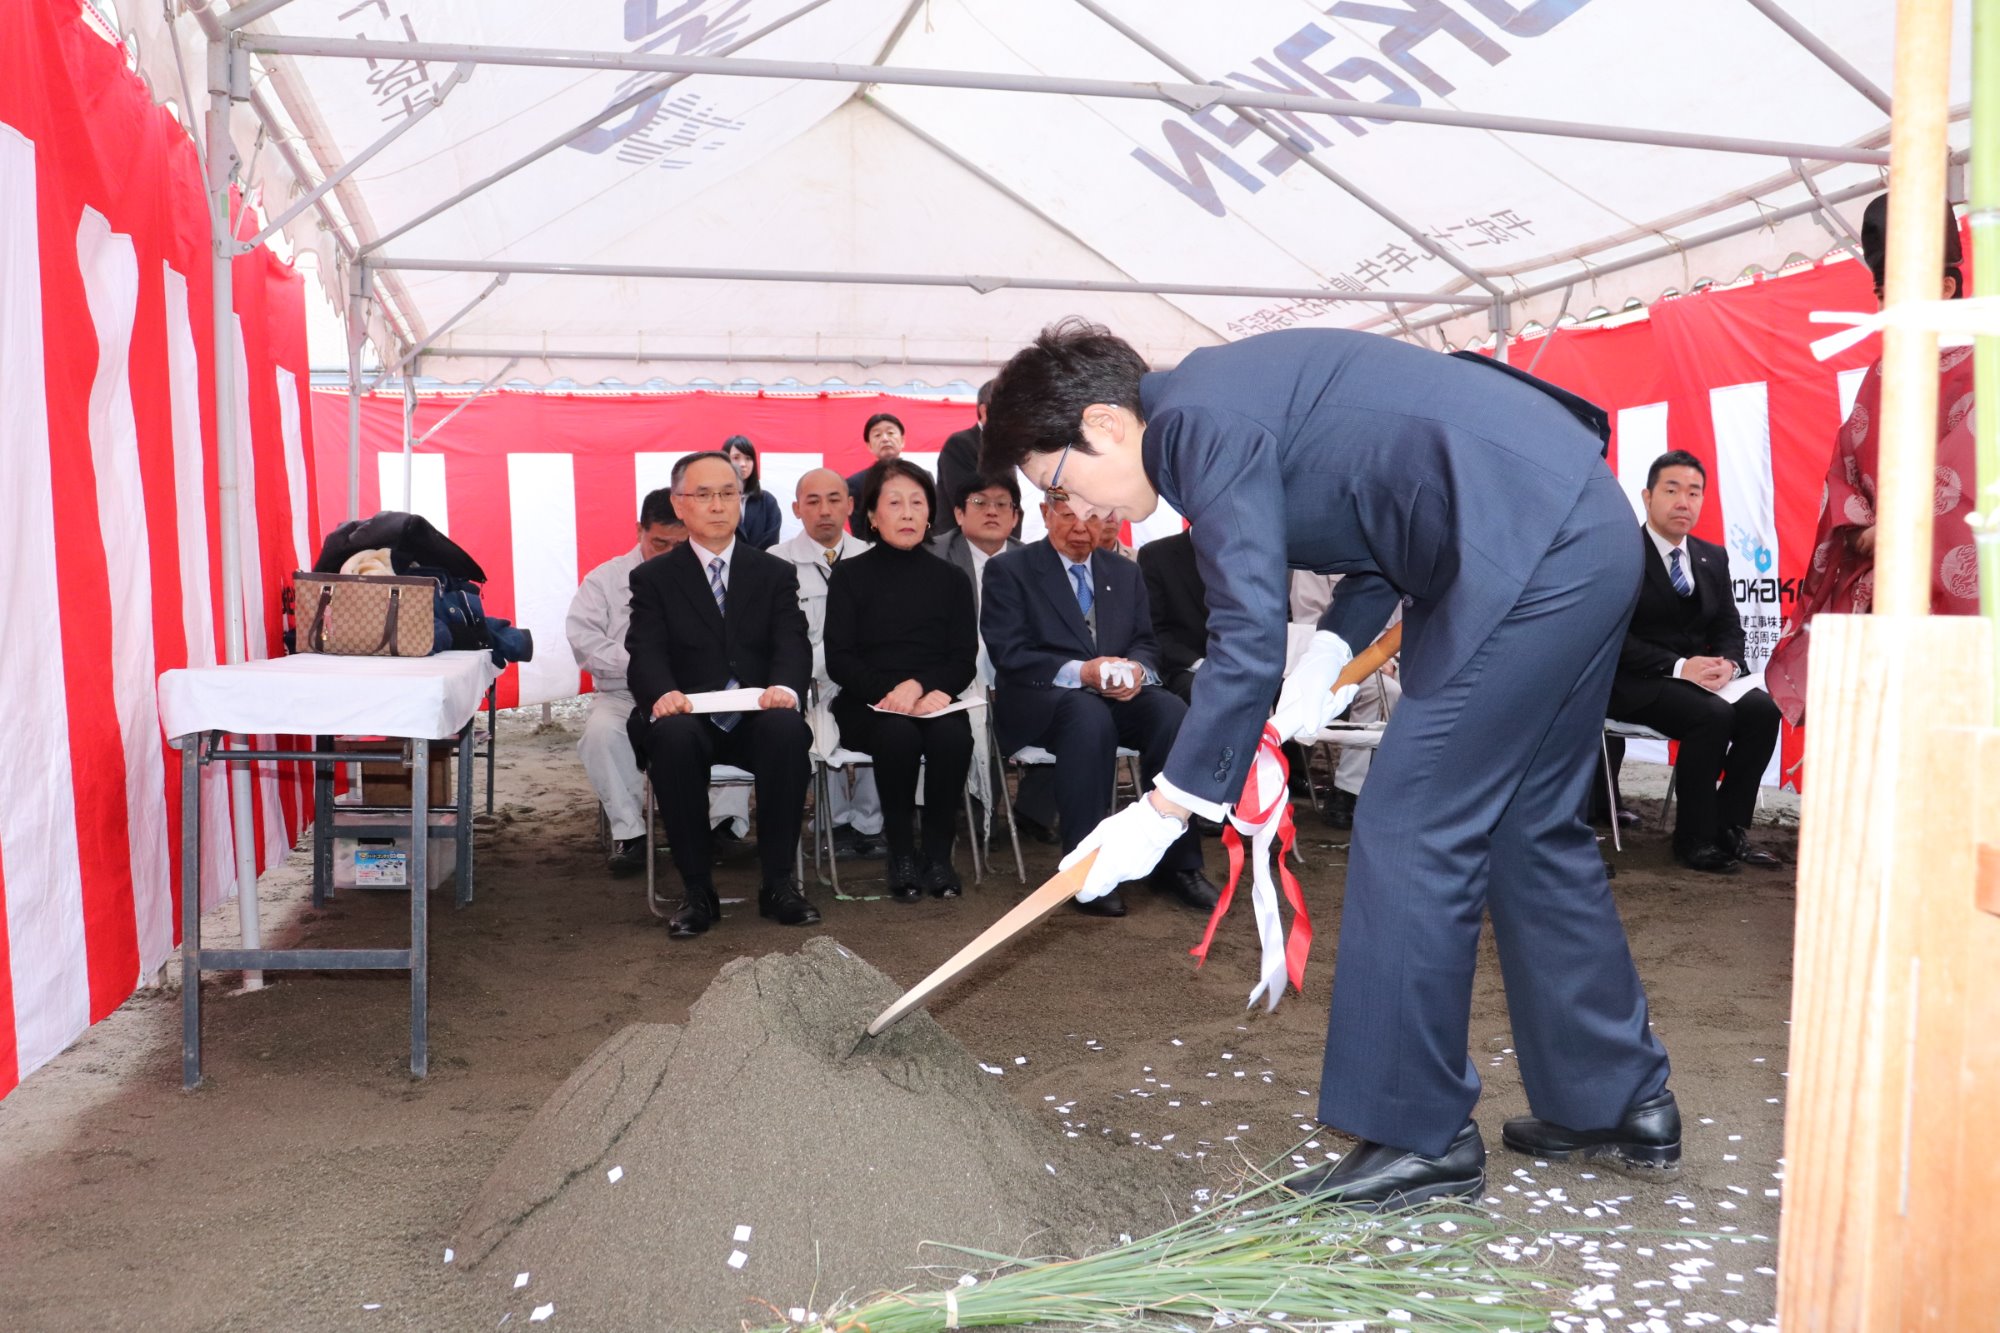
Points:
(1479, 498)
(1077, 672)
(717, 613)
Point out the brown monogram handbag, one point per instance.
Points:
(365, 615)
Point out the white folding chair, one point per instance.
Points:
(1632, 731)
(719, 775)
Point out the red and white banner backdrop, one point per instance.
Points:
(541, 487)
(109, 527)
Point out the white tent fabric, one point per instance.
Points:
(835, 175)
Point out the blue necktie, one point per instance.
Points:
(1682, 584)
(1081, 574)
(715, 567)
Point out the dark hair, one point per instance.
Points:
(741, 444)
(877, 476)
(681, 465)
(1875, 243)
(878, 419)
(979, 481)
(1041, 393)
(1674, 458)
(658, 509)
(986, 394)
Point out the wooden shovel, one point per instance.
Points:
(1063, 885)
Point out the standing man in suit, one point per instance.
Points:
(883, 434)
(719, 614)
(822, 505)
(985, 512)
(958, 463)
(1180, 609)
(1078, 673)
(1684, 644)
(1478, 497)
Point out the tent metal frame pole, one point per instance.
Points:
(981, 283)
(1594, 271)
(409, 441)
(1825, 54)
(1188, 96)
(409, 357)
(731, 357)
(233, 19)
(1302, 152)
(227, 82)
(486, 386)
(359, 160)
(357, 330)
(636, 97)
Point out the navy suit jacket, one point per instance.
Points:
(1032, 625)
(1420, 476)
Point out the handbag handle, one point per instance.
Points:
(388, 639)
(316, 632)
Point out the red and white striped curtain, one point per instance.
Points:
(110, 560)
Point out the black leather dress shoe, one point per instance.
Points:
(1629, 819)
(699, 910)
(1376, 1176)
(1647, 1141)
(628, 856)
(939, 880)
(784, 904)
(1109, 905)
(1736, 842)
(904, 873)
(1339, 810)
(1034, 829)
(1706, 857)
(1190, 888)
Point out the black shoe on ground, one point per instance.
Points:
(699, 910)
(1376, 1176)
(1190, 888)
(940, 880)
(1647, 1141)
(783, 903)
(628, 856)
(850, 844)
(1610, 871)
(904, 874)
(1736, 841)
(1033, 829)
(1707, 858)
(1339, 811)
(1629, 819)
(724, 831)
(1109, 905)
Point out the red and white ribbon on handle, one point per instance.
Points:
(1265, 813)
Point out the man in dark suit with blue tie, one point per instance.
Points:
(1077, 671)
(1479, 498)
(1683, 647)
(713, 614)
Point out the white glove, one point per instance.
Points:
(1308, 700)
(1128, 845)
(1118, 675)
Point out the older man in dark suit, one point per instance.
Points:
(1683, 649)
(1478, 497)
(1077, 673)
(718, 614)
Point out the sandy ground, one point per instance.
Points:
(311, 1183)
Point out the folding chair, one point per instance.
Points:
(719, 775)
(1632, 731)
(1032, 756)
(1340, 735)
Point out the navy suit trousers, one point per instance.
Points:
(1474, 804)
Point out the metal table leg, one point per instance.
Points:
(463, 832)
(420, 836)
(190, 748)
(322, 885)
(492, 741)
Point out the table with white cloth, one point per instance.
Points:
(415, 703)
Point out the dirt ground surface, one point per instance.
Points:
(312, 1184)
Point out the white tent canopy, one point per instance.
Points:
(804, 187)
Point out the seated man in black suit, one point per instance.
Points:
(714, 614)
(1076, 671)
(1684, 646)
(1180, 609)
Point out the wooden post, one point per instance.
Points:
(1889, 1220)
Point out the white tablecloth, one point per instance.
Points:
(318, 694)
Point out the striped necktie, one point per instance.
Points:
(726, 721)
(1682, 583)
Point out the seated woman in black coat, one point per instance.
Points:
(761, 519)
(901, 635)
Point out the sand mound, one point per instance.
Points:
(848, 1169)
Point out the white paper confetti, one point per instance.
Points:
(615, 1174)
(742, 1234)
(448, 1256)
(372, 1305)
(737, 1258)
(520, 1281)
(542, 1312)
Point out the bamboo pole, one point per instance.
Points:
(1985, 199)
(1917, 154)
